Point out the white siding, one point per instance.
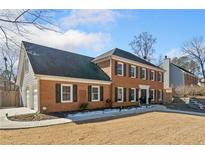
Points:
(28, 81)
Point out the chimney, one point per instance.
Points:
(165, 57)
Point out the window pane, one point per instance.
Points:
(95, 93)
(119, 96)
(119, 69)
(132, 94)
(66, 93)
(132, 71)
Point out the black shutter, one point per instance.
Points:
(115, 94)
(129, 94)
(162, 95)
(58, 93)
(129, 70)
(125, 99)
(150, 71)
(89, 93)
(115, 67)
(136, 71)
(101, 93)
(140, 72)
(137, 94)
(124, 65)
(75, 93)
(162, 77)
(155, 75)
(147, 74)
(158, 76)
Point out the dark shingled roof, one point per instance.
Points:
(183, 69)
(127, 55)
(50, 61)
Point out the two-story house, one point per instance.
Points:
(52, 80)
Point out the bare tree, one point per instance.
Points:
(10, 57)
(196, 51)
(13, 22)
(142, 45)
(187, 63)
(13, 28)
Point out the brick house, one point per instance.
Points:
(56, 80)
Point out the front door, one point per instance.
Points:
(144, 96)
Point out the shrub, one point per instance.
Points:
(184, 91)
(84, 106)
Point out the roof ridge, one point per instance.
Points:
(59, 50)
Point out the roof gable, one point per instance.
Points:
(127, 55)
(55, 62)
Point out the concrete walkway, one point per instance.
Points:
(8, 124)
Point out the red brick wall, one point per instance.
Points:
(128, 82)
(48, 97)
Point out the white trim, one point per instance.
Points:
(122, 94)
(134, 94)
(135, 63)
(160, 95)
(122, 68)
(153, 75)
(71, 93)
(145, 76)
(153, 94)
(147, 89)
(110, 68)
(70, 79)
(133, 66)
(93, 100)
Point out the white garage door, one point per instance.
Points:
(35, 99)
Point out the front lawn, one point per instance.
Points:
(149, 128)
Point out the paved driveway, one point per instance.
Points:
(15, 111)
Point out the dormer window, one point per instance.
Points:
(120, 68)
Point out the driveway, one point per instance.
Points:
(15, 111)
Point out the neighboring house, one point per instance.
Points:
(56, 80)
(176, 76)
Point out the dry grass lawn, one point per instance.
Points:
(149, 128)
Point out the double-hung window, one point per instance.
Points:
(152, 75)
(159, 95)
(160, 77)
(133, 94)
(120, 94)
(66, 93)
(133, 71)
(143, 73)
(120, 68)
(95, 93)
(151, 94)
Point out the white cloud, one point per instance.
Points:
(174, 53)
(84, 17)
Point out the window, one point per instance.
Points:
(151, 94)
(95, 93)
(152, 75)
(160, 76)
(133, 71)
(119, 94)
(26, 67)
(133, 94)
(66, 93)
(159, 95)
(120, 68)
(143, 73)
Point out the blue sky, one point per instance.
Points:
(93, 32)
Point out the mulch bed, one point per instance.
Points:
(32, 117)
